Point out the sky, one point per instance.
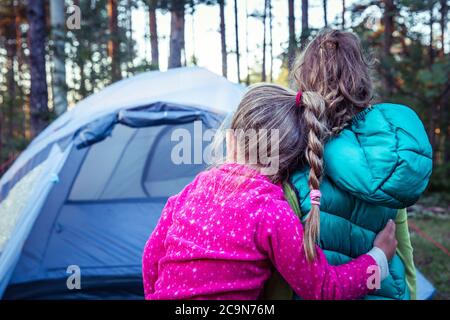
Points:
(203, 38)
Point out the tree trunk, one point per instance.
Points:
(22, 60)
(271, 39)
(305, 25)
(236, 31)
(38, 90)
(447, 133)
(264, 18)
(443, 23)
(292, 37)
(57, 16)
(433, 124)
(113, 43)
(176, 36)
(388, 21)
(430, 47)
(130, 37)
(11, 51)
(247, 51)
(83, 91)
(9, 102)
(343, 14)
(193, 60)
(223, 38)
(325, 13)
(403, 34)
(153, 34)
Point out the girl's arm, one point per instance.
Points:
(154, 249)
(281, 237)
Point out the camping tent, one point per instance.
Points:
(89, 189)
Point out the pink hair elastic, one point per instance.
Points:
(315, 195)
(298, 98)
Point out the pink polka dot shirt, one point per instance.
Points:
(223, 234)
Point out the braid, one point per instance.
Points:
(334, 67)
(316, 127)
(344, 120)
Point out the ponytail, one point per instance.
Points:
(317, 132)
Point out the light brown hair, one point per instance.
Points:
(332, 65)
(269, 107)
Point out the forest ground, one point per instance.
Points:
(432, 216)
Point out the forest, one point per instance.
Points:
(54, 53)
(48, 63)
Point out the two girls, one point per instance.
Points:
(221, 235)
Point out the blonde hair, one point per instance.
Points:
(302, 129)
(269, 106)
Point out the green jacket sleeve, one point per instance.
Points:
(276, 287)
(405, 250)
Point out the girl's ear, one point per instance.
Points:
(231, 146)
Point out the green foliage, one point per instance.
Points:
(440, 179)
(420, 72)
(87, 48)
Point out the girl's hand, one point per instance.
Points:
(386, 240)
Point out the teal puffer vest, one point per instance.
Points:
(380, 163)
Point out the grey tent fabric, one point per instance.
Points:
(108, 199)
(153, 115)
(105, 234)
(133, 164)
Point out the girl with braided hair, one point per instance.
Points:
(369, 161)
(221, 236)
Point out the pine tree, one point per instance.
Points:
(271, 39)
(236, 31)
(305, 25)
(113, 43)
(153, 33)
(223, 38)
(388, 22)
(177, 21)
(292, 37)
(59, 86)
(264, 46)
(38, 93)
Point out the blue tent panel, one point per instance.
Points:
(99, 197)
(425, 290)
(107, 199)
